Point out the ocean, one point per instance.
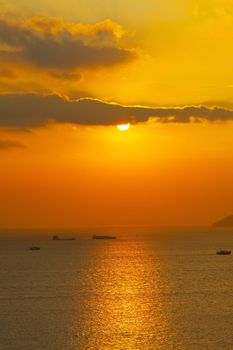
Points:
(151, 288)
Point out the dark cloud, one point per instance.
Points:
(66, 75)
(6, 144)
(31, 110)
(62, 50)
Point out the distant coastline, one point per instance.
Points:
(225, 222)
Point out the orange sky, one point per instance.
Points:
(74, 176)
(68, 77)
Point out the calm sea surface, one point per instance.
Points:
(149, 289)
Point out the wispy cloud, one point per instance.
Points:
(32, 110)
(6, 144)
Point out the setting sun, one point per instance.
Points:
(123, 127)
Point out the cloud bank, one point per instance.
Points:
(55, 44)
(32, 110)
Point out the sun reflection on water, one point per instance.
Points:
(124, 308)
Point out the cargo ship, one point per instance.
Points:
(223, 252)
(103, 237)
(57, 238)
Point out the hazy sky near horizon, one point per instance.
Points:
(70, 71)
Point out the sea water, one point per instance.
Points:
(148, 289)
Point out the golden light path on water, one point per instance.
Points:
(125, 308)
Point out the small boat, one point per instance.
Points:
(103, 237)
(57, 238)
(34, 248)
(223, 252)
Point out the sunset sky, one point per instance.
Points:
(71, 71)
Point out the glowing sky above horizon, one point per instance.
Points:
(70, 71)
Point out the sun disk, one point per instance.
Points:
(123, 127)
